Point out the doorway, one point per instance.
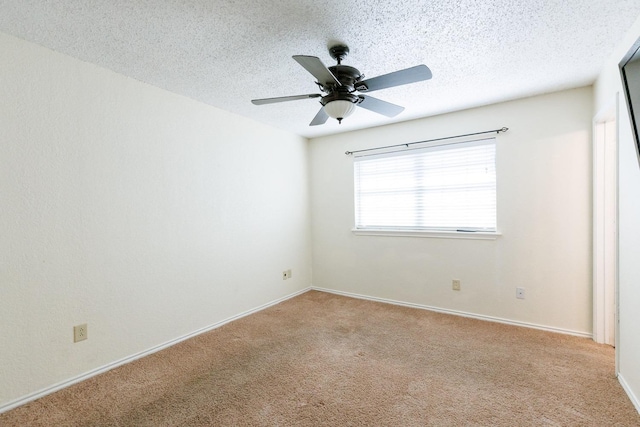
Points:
(605, 226)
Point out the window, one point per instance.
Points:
(450, 187)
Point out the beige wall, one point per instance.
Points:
(544, 215)
(607, 87)
(145, 214)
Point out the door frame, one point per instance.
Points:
(605, 226)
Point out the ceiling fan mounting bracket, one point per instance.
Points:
(339, 52)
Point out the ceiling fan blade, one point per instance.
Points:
(379, 106)
(284, 99)
(397, 78)
(317, 69)
(320, 118)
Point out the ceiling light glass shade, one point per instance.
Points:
(339, 109)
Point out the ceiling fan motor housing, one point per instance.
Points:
(348, 77)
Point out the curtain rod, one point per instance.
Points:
(504, 129)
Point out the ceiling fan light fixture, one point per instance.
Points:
(339, 109)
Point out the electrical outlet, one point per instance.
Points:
(80, 333)
(289, 273)
(520, 293)
(286, 274)
(455, 285)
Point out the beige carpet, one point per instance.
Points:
(326, 360)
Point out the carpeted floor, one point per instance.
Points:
(326, 360)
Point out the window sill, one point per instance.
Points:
(473, 235)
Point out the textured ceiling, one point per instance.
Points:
(227, 52)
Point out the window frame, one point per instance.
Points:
(459, 232)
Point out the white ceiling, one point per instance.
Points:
(227, 52)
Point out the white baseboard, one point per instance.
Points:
(458, 313)
(63, 384)
(634, 399)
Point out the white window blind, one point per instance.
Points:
(445, 187)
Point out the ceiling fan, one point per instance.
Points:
(340, 84)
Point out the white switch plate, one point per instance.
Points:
(520, 293)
